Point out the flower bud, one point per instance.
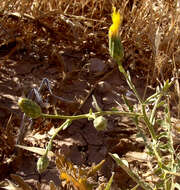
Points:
(30, 108)
(42, 164)
(115, 46)
(100, 123)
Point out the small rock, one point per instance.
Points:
(107, 100)
(96, 65)
(103, 87)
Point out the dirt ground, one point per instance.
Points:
(81, 142)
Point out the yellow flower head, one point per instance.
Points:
(117, 20)
(116, 49)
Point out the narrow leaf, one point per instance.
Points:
(40, 151)
(108, 186)
(136, 178)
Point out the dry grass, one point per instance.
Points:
(150, 29)
(150, 32)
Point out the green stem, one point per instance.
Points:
(154, 147)
(134, 176)
(90, 116)
(65, 116)
(131, 85)
(69, 119)
(117, 113)
(152, 97)
(155, 107)
(149, 125)
(65, 124)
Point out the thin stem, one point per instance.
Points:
(65, 124)
(149, 125)
(65, 116)
(151, 97)
(154, 147)
(131, 85)
(91, 116)
(134, 176)
(117, 113)
(155, 107)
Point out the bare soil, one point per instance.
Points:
(81, 142)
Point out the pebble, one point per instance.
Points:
(107, 100)
(103, 87)
(96, 65)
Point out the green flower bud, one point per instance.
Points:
(100, 123)
(30, 108)
(42, 164)
(116, 48)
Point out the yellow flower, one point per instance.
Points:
(115, 46)
(117, 20)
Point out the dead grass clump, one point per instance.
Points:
(149, 32)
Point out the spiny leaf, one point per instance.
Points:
(80, 183)
(95, 168)
(77, 177)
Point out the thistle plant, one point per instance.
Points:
(167, 168)
(34, 111)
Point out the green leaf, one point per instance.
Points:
(40, 151)
(136, 178)
(162, 103)
(127, 103)
(108, 186)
